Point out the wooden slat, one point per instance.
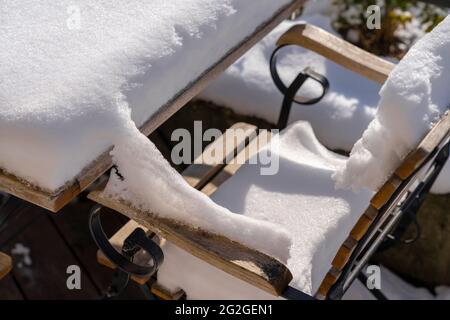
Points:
(344, 253)
(364, 223)
(386, 192)
(416, 158)
(330, 279)
(413, 161)
(43, 198)
(5, 264)
(164, 294)
(55, 201)
(346, 250)
(199, 173)
(338, 51)
(230, 170)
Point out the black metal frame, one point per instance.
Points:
(290, 93)
(136, 241)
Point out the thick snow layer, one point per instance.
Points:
(150, 183)
(300, 198)
(412, 100)
(338, 120)
(68, 70)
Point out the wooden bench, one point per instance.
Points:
(57, 200)
(374, 225)
(5, 264)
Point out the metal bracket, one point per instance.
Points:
(136, 241)
(290, 93)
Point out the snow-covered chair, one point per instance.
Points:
(336, 232)
(5, 264)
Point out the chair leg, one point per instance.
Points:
(118, 284)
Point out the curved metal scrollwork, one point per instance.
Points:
(136, 241)
(290, 93)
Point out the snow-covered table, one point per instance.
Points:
(64, 65)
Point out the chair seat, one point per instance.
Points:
(301, 197)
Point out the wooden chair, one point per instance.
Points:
(5, 264)
(403, 190)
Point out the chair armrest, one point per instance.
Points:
(231, 257)
(338, 51)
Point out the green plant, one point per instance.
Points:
(402, 23)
